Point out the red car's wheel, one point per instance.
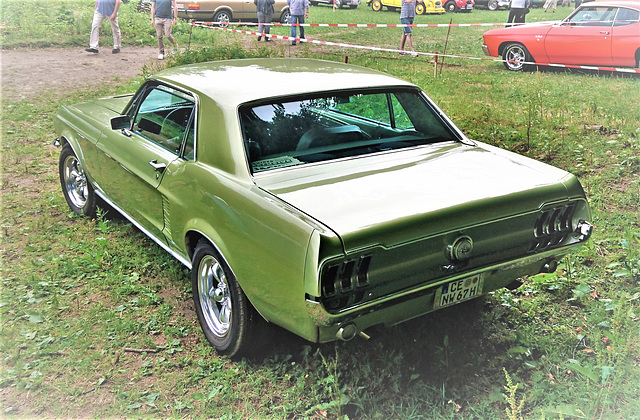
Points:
(515, 57)
(450, 6)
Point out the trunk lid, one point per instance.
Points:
(400, 196)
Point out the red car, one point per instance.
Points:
(602, 33)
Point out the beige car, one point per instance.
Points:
(229, 10)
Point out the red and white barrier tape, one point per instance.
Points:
(211, 25)
(399, 25)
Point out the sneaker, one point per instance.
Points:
(259, 37)
(293, 42)
(92, 50)
(403, 53)
(115, 51)
(160, 56)
(413, 54)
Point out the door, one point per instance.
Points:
(585, 38)
(133, 161)
(626, 37)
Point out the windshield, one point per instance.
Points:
(295, 132)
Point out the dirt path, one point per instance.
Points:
(28, 72)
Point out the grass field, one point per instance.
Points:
(97, 321)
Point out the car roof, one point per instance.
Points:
(233, 82)
(615, 3)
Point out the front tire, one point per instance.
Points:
(450, 6)
(76, 188)
(514, 56)
(420, 9)
(493, 5)
(224, 312)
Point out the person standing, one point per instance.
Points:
(407, 14)
(265, 14)
(163, 14)
(105, 9)
(517, 12)
(299, 10)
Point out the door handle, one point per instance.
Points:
(158, 166)
(604, 32)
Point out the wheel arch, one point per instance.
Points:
(222, 9)
(504, 45)
(259, 286)
(67, 138)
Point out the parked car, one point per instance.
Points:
(492, 4)
(426, 7)
(323, 197)
(603, 33)
(228, 10)
(459, 6)
(339, 4)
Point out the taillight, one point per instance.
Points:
(345, 283)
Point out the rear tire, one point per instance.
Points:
(285, 17)
(224, 312)
(223, 17)
(514, 56)
(492, 5)
(376, 5)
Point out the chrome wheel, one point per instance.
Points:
(75, 181)
(225, 314)
(214, 297)
(75, 186)
(515, 56)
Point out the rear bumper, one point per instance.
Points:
(408, 304)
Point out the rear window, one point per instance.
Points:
(299, 131)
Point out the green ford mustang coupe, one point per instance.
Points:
(323, 197)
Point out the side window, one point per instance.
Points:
(594, 16)
(626, 17)
(165, 118)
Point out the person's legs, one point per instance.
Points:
(301, 20)
(167, 31)
(159, 34)
(267, 28)
(294, 20)
(115, 30)
(406, 34)
(95, 30)
(261, 17)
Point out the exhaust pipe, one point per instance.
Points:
(549, 267)
(347, 333)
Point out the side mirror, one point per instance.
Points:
(120, 122)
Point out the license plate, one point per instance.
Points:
(458, 291)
